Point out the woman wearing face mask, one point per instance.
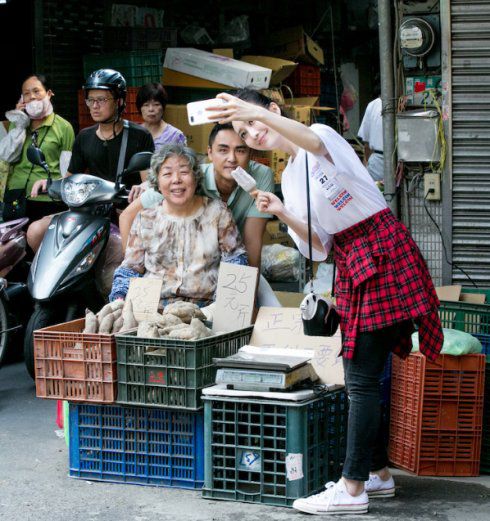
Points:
(383, 286)
(54, 136)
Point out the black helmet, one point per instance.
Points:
(107, 79)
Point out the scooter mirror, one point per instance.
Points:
(140, 161)
(36, 157)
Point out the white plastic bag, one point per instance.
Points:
(11, 145)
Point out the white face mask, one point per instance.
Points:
(39, 109)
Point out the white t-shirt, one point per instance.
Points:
(342, 194)
(371, 130)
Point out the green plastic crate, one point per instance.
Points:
(471, 318)
(165, 372)
(485, 446)
(137, 67)
(272, 452)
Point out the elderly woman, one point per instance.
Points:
(183, 239)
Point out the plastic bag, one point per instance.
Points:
(456, 343)
(280, 263)
(236, 30)
(12, 143)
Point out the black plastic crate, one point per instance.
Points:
(272, 452)
(165, 372)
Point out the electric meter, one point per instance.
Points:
(416, 37)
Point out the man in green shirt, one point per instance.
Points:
(226, 151)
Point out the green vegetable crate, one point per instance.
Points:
(170, 373)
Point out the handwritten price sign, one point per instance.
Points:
(235, 297)
(283, 328)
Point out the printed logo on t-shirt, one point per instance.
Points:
(338, 196)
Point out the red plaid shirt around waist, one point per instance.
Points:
(383, 280)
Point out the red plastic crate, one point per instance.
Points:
(131, 112)
(436, 414)
(75, 366)
(305, 80)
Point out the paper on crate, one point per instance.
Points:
(213, 67)
(281, 69)
(235, 297)
(144, 293)
(283, 328)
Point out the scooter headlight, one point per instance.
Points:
(77, 193)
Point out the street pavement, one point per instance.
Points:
(34, 482)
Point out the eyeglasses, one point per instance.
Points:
(100, 101)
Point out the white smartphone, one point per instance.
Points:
(196, 113)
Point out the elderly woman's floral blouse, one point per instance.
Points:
(185, 251)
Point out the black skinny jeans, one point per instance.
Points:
(366, 450)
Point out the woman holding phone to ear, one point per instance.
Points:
(47, 130)
(383, 286)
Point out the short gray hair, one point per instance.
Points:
(170, 150)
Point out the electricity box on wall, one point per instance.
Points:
(417, 132)
(420, 42)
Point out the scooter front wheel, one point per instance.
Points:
(43, 316)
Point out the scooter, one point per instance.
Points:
(61, 279)
(15, 301)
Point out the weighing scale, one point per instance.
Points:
(259, 369)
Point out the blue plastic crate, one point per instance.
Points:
(139, 445)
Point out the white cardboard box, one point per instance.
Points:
(217, 68)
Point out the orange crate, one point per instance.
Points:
(131, 113)
(436, 414)
(75, 366)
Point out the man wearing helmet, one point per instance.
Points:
(96, 148)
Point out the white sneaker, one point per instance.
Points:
(376, 487)
(334, 500)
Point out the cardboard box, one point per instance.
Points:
(281, 69)
(276, 159)
(276, 232)
(213, 67)
(283, 328)
(197, 136)
(172, 78)
(224, 52)
(288, 299)
(294, 44)
(275, 94)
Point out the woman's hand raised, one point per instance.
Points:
(267, 202)
(234, 109)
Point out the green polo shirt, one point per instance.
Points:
(55, 135)
(240, 203)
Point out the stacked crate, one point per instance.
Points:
(152, 434)
(474, 319)
(436, 414)
(272, 451)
